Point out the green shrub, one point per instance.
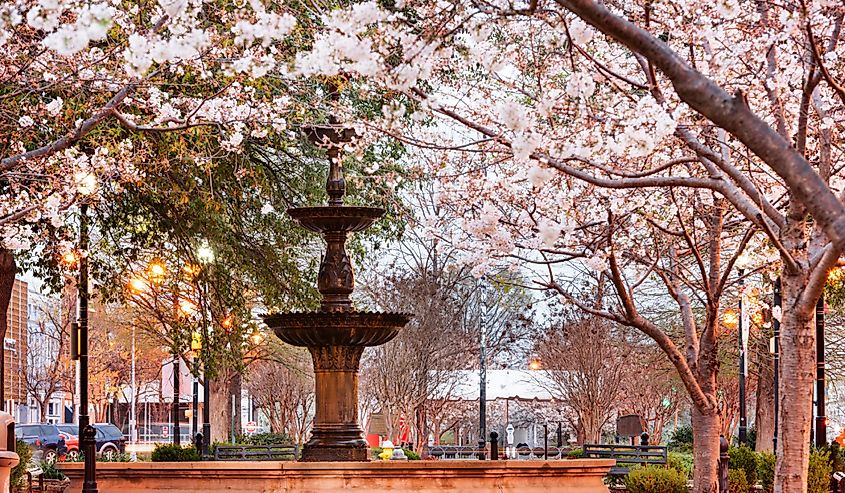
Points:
(576, 453)
(50, 471)
(836, 462)
(655, 480)
(174, 453)
(818, 479)
(410, 454)
(18, 477)
(745, 459)
(737, 482)
(681, 440)
(264, 439)
(681, 462)
(766, 470)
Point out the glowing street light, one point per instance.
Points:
(535, 364)
(257, 337)
(205, 254)
(730, 318)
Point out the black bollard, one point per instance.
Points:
(481, 445)
(723, 464)
(545, 442)
(494, 445)
(198, 443)
(644, 439)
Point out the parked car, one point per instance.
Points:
(109, 440)
(51, 442)
(70, 430)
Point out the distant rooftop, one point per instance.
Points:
(504, 384)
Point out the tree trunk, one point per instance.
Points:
(8, 269)
(764, 419)
(706, 430)
(797, 365)
(223, 387)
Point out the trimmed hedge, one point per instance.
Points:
(655, 480)
(745, 459)
(737, 482)
(175, 453)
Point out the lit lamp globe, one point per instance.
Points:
(730, 319)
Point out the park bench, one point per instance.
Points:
(256, 452)
(627, 455)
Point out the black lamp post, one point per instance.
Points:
(743, 419)
(87, 433)
(205, 255)
(821, 418)
(776, 302)
(177, 439)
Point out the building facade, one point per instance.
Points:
(15, 349)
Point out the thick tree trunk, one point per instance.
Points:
(222, 389)
(764, 419)
(706, 430)
(797, 363)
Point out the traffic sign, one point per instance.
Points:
(251, 427)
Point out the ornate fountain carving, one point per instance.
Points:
(337, 334)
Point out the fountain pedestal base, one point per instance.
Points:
(336, 436)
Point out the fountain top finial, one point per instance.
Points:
(333, 137)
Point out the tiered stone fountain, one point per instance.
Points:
(336, 457)
(337, 334)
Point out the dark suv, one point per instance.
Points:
(109, 439)
(43, 437)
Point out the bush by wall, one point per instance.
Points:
(576, 453)
(655, 480)
(174, 453)
(681, 462)
(766, 470)
(681, 440)
(737, 482)
(264, 439)
(818, 479)
(18, 477)
(745, 459)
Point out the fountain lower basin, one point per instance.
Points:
(471, 476)
(337, 328)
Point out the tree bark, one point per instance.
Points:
(797, 362)
(222, 389)
(764, 419)
(706, 429)
(8, 269)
